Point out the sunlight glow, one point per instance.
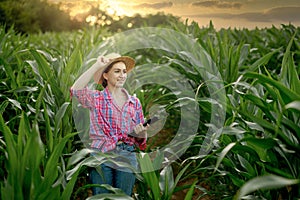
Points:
(110, 11)
(91, 20)
(114, 8)
(78, 8)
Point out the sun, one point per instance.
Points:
(113, 8)
(117, 8)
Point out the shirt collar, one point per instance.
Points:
(107, 94)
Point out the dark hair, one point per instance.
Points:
(108, 68)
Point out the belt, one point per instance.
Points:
(120, 142)
(125, 146)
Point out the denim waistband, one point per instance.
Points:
(126, 147)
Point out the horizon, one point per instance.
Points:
(223, 14)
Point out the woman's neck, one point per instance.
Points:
(119, 96)
(116, 91)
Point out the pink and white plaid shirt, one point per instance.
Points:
(108, 122)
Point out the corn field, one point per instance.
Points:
(255, 155)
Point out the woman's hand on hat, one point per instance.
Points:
(102, 60)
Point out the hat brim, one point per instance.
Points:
(129, 63)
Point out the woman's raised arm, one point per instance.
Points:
(85, 78)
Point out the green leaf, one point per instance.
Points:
(261, 103)
(72, 68)
(166, 180)
(289, 75)
(287, 94)
(261, 146)
(15, 103)
(264, 183)
(3, 106)
(149, 174)
(47, 73)
(32, 164)
(271, 128)
(91, 161)
(189, 195)
(263, 60)
(293, 105)
(44, 68)
(51, 168)
(68, 190)
(59, 116)
(180, 174)
(26, 89)
(12, 184)
(247, 166)
(78, 156)
(236, 180)
(49, 132)
(223, 154)
(110, 197)
(40, 101)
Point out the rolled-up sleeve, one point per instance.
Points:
(84, 96)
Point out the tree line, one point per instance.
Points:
(33, 16)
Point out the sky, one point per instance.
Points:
(223, 13)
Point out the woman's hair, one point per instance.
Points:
(108, 68)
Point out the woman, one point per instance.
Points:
(113, 115)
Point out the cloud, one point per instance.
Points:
(285, 14)
(156, 6)
(217, 4)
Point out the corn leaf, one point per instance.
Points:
(149, 175)
(263, 183)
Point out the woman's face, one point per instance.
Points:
(117, 75)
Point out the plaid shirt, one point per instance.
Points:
(108, 122)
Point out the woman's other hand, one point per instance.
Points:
(141, 131)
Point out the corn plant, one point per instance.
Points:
(256, 145)
(31, 175)
(254, 157)
(265, 123)
(161, 184)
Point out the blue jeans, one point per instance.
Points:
(115, 176)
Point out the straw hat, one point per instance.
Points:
(113, 57)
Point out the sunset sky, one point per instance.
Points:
(223, 13)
